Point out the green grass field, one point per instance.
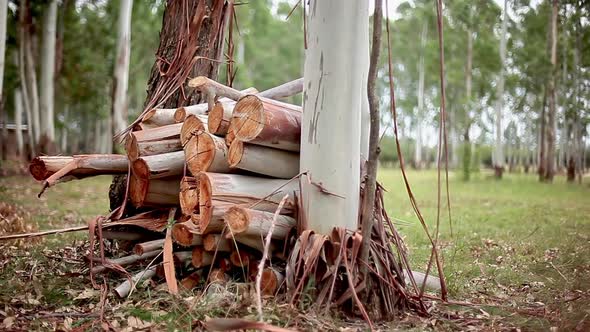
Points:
(519, 246)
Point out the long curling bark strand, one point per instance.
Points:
(371, 179)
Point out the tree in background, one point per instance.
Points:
(47, 67)
(118, 120)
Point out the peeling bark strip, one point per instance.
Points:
(267, 122)
(43, 167)
(189, 47)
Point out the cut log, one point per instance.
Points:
(263, 160)
(191, 281)
(216, 242)
(186, 234)
(137, 149)
(243, 221)
(248, 191)
(206, 153)
(42, 167)
(61, 169)
(159, 117)
(159, 133)
(213, 221)
(220, 117)
(271, 281)
(203, 109)
(255, 242)
(284, 90)
(192, 126)
(213, 89)
(141, 248)
(183, 258)
(230, 136)
(267, 122)
(181, 113)
(218, 276)
(201, 258)
(159, 165)
(154, 192)
(126, 260)
(125, 288)
(189, 195)
(240, 258)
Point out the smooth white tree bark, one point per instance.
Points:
(365, 115)
(119, 112)
(330, 137)
(18, 119)
(48, 71)
(498, 155)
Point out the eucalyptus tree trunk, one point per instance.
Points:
(48, 75)
(3, 19)
(330, 135)
(550, 159)
(420, 111)
(28, 74)
(121, 77)
(18, 119)
(468, 80)
(498, 155)
(578, 139)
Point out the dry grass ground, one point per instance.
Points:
(519, 248)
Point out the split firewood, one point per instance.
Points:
(252, 192)
(243, 221)
(191, 281)
(186, 234)
(205, 152)
(201, 258)
(154, 192)
(267, 122)
(216, 242)
(159, 165)
(126, 260)
(230, 136)
(220, 117)
(189, 195)
(263, 160)
(125, 288)
(192, 125)
(61, 169)
(141, 248)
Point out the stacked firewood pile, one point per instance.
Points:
(208, 178)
